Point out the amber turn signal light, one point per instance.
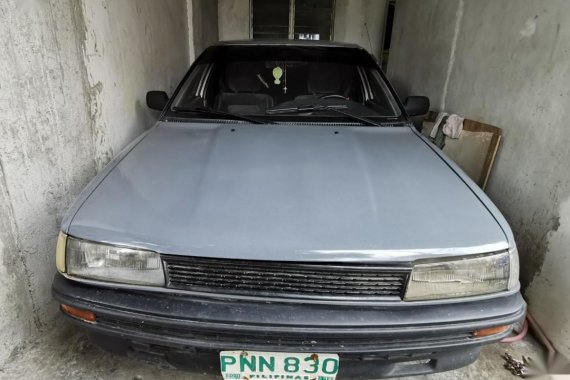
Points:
(490, 331)
(84, 315)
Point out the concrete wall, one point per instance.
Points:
(131, 47)
(505, 63)
(361, 22)
(234, 19)
(73, 77)
(202, 25)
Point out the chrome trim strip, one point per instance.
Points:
(366, 85)
(199, 87)
(202, 85)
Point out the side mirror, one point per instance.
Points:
(156, 100)
(416, 105)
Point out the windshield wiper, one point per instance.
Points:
(319, 108)
(209, 111)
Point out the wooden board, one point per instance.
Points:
(481, 164)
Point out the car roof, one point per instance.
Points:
(284, 42)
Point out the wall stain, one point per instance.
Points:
(103, 151)
(533, 245)
(532, 233)
(551, 59)
(11, 253)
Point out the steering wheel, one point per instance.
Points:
(330, 96)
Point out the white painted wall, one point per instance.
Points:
(505, 63)
(361, 22)
(73, 77)
(234, 19)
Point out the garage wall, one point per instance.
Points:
(130, 47)
(361, 22)
(202, 25)
(73, 77)
(505, 63)
(234, 19)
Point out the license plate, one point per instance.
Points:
(248, 365)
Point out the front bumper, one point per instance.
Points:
(372, 342)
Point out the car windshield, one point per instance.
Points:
(283, 83)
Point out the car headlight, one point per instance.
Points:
(463, 277)
(106, 262)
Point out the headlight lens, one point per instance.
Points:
(514, 269)
(60, 252)
(115, 264)
(464, 277)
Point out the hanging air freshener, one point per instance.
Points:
(277, 73)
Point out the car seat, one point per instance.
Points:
(241, 95)
(322, 79)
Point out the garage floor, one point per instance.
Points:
(66, 354)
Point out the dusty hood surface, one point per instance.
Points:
(299, 193)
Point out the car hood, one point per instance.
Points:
(286, 192)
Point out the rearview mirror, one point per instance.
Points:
(416, 105)
(156, 100)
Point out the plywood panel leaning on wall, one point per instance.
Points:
(474, 151)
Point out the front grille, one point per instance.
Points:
(283, 279)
